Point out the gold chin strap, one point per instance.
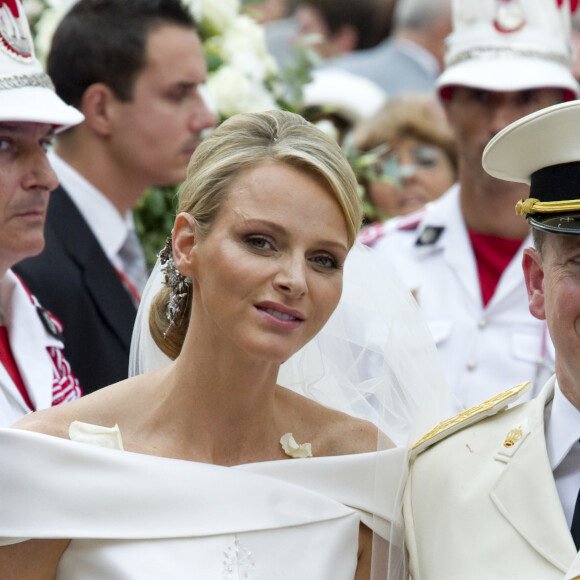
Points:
(527, 206)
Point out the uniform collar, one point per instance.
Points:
(562, 428)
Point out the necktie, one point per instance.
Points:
(575, 529)
(133, 259)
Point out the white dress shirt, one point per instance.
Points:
(562, 436)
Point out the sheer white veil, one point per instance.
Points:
(374, 359)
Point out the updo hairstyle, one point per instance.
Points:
(237, 145)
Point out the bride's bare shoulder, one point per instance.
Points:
(332, 432)
(98, 408)
(345, 435)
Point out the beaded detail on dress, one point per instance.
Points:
(238, 562)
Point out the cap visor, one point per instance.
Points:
(37, 105)
(508, 74)
(562, 223)
(547, 137)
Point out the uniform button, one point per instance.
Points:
(482, 323)
(471, 365)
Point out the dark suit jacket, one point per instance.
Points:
(74, 279)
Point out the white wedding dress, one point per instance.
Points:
(149, 518)
(139, 517)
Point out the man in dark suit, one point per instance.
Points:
(133, 67)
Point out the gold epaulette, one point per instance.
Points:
(472, 415)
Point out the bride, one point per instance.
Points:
(236, 465)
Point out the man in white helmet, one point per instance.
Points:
(494, 493)
(33, 372)
(461, 256)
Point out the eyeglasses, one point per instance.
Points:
(389, 168)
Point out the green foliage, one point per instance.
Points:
(296, 74)
(154, 216)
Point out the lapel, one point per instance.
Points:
(525, 493)
(101, 281)
(574, 571)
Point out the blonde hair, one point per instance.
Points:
(237, 145)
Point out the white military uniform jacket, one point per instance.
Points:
(482, 503)
(37, 352)
(484, 350)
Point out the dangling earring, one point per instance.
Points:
(179, 284)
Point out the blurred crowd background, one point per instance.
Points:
(363, 71)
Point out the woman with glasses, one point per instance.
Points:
(406, 157)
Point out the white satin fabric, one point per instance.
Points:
(141, 517)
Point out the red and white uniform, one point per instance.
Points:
(38, 354)
(484, 349)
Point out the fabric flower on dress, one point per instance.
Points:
(293, 449)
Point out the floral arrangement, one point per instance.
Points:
(242, 75)
(242, 78)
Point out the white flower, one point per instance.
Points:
(234, 92)
(33, 9)
(47, 24)
(245, 41)
(328, 127)
(62, 5)
(215, 16)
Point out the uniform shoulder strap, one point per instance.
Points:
(472, 415)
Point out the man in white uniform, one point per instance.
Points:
(33, 372)
(461, 256)
(498, 496)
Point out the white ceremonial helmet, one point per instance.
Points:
(26, 91)
(510, 45)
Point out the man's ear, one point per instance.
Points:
(96, 106)
(184, 238)
(534, 276)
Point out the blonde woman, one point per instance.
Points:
(225, 473)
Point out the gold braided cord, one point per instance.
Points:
(451, 425)
(527, 206)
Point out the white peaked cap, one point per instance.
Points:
(26, 91)
(543, 150)
(509, 45)
(548, 137)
